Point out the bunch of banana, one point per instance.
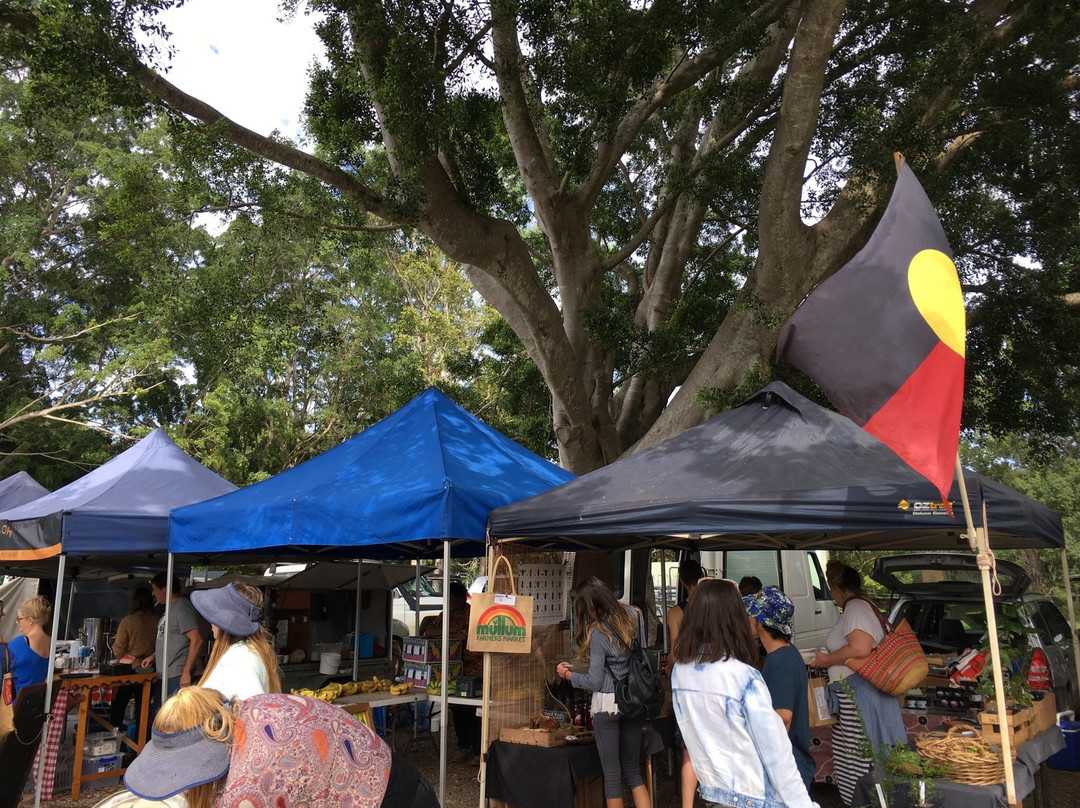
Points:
(303, 691)
(350, 688)
(434, 687)
(400, 689)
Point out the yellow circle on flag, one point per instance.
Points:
(935, 288)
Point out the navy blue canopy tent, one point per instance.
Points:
(426, 473)
(120, 508)
(777, 471)
(18, 489)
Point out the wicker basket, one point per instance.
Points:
(969, 760)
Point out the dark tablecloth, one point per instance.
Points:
(539, 777)
(946, 794)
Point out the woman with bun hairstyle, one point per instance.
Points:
(605, 629)
(273, 749)
(857, 633)
(736, 740)
(242, 662)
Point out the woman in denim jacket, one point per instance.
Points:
(605, 627)
(736, 740)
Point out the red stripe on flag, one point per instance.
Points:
(919, 421)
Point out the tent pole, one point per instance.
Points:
(485, 710)
(163, 664)
(49, 681)
(1072, 614)
(356, 621)
(980, 541)
(71, 603)
(663, 596)
(445, 694)
(416, 596)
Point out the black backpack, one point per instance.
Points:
(640, 694)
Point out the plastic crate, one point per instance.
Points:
(95, 764)
(101, 743)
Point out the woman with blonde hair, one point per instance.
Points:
(242, 662)
(30, 650)
(605, 629)
(271, 749)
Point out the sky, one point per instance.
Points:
(236, 56)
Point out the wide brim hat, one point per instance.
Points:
(227, 609)
(772, 608)
(173, 762)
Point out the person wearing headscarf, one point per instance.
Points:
(736, 740)
(274, 750)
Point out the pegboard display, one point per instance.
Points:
(519, 681)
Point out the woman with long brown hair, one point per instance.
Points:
(605, 629)
(736, 740)
(242, 662)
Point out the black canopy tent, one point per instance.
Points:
(777, 471)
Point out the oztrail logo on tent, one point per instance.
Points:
(503, 623)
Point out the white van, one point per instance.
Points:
(799, 573)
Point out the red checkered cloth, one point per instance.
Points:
(52, 745)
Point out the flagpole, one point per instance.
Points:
(979, 539)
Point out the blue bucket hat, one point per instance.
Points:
(227, 609)
(172, 762)
(772, 608)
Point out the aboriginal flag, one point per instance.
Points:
(884, 336)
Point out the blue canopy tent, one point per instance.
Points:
(426, 473)
(422, 479)
(116, 516)
(18, 489)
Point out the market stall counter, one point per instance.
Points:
(947, 794)
(87, 685)
(528, 776)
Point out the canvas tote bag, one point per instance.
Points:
(501, 622)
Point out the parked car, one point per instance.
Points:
(405, 600)
(940, 595)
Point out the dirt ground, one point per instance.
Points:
(463, 788)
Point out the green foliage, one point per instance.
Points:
(1012, 645)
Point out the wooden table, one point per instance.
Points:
(84, 684)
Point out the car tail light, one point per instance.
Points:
(1039, 677)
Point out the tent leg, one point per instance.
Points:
(71, 603)
(1072, 621)
(356, 621)
(445, 695)
(39, 780)
(485, 718)
(416, 595)
(163, 664)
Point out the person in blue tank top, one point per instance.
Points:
(784, 671)
(30, 650)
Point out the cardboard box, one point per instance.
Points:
(421, 675)
(427, 651)
(534, 737)
(818, 699)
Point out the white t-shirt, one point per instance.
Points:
(239, 674)
(858, 615)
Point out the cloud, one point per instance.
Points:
(257, 74)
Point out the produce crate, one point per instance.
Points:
(533, 737)
(426, 651)
(1045, 712)
(421, 675)
(1020, 725)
